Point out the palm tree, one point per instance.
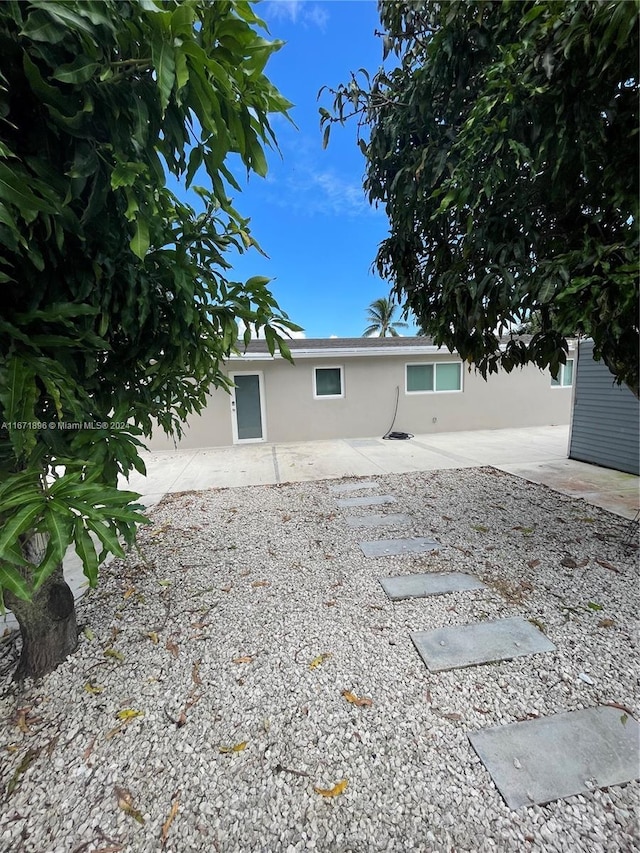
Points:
(380, 316)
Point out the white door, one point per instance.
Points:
(247, 407)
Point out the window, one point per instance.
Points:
(441, 376)
(565, 375)
(327, 382)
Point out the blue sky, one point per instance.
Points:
(310, 214)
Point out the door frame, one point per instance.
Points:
(233, 406)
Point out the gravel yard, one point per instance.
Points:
(204, 708)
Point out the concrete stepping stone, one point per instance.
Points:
(389, 520)
(537, 761)
(352, 487)
(367, 500)
(392, 547)
(458, 646)
(433, 583)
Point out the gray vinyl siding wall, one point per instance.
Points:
(605, 423)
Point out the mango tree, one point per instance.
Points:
(502, 141)
(117, 307)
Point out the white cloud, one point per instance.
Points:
(309, 191)
(298, 12)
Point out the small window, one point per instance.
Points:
(442, 376)
(565, 375)
(419, 378)
(448, 377)
(327, 382)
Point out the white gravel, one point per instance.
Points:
(272, 576)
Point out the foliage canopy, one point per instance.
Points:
(117, 306)
(504, 147)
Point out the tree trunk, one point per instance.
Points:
(48, 626)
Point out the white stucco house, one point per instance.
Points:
(361, 387)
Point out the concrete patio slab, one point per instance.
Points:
(397, 519)
(369, 500)
(537, 761)
(602, 487)
(424, 585)
(401, 457)
(459, 646)
(393, 547)
(320, 460)
(361, 485)
(536, 453)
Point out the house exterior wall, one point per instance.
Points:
(292, 413)
(606, 417)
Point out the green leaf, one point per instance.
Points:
(18, 399)
(12, 580)
(80, 70)
(107, 537)
(14, 188)
(18, 523)
(59, 529)
(258, 160)
(40, 27)
(140, 241)
(85, 549)
(126, 174)
(165, 66)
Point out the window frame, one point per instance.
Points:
(433, 364)
(314, 383)
(560, 381)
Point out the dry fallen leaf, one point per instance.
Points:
(237, 748)
(170, 646)
(227, 588)
(115, 731)
(331, 603)
(89, 749)
(21, 720)
(125, 802)
(452, 716)
(358, 701)
(152, 635)
(93, 688)
(243, 659)
(606, 565)
(337, 789)
(166, 826)
(533, 563)
(114, 653)
(129, 714)
(260, 583)
(14, 782)
(129, 592)
(195, 672)
(606, 623)
(320, 659)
